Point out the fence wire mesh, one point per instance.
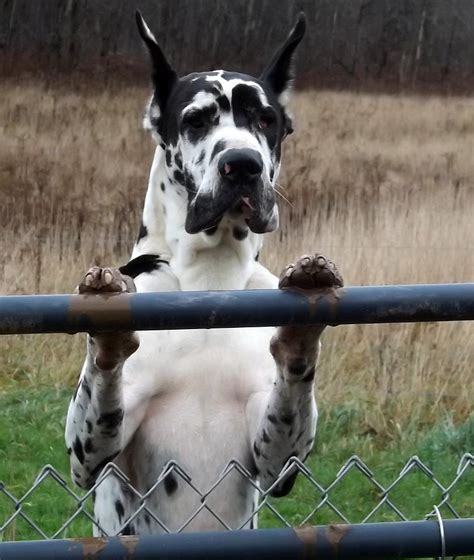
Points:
(323, 502)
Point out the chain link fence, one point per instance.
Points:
(16, 508)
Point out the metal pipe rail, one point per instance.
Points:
(406, 539)
(224, 309)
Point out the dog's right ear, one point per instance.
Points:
(163, 75)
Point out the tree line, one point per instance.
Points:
(407, 42)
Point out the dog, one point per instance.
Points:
(197, 397)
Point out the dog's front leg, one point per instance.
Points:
(288, 424)
(94, 426)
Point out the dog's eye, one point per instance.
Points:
(194, 120)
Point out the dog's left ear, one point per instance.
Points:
(163, 75)
(279, 73)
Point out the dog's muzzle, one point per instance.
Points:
(242, 193)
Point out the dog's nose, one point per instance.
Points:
(240, 165)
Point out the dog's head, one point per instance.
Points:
(222, 133)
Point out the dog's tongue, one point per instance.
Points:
(246, 207)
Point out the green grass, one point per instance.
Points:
(31, 436)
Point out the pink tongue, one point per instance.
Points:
(246, 208)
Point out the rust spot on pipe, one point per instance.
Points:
(130, 543)
(308, 536)
(334, 535)
(92, 546)
(99, 312)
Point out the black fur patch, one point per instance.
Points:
(256, 449)
(171, 484)
(219, 147)
(89, 426)
(297, 367)
(141, 264)
(143, 232)
(224, 103)
(119, 509)
(168, 157)
(201, 157)
(88, 446)
(110, 420)
(239, 233)
(86, 388)
(128, 529)
(265, 437)
(288, 418)
(272, 418)
(162, 186)
(309, 377)
(98, 468)
(257, 256)
(78, 450)
(178, 176)
(178, 161)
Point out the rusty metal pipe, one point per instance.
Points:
(224, 309)
(415, 539)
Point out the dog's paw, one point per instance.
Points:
(109, 349)
(105, 280)
(311, 272)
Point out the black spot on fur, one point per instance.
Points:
(143, 232)
(265, 437)
(288, 418)
(224, 103)
(98, 468)
(309, 377)
(218, 148)
(88, 446)
(257, 256)
(272, 173)
(300, 435)
(171, 484)
(178, 161)
(168, 157)
(77, 390)
(297, 367)
(201, 157)
(128, 529)
(178, 176)
(77, 446)
(284, 487)
(89, 426)
(110, 420)
(141, 264)
(256, 449)
(272, 418)
(86, 388)
(162, 186)
(69, 451)
(119, 509)
(309, 442)
(239, 233)
(93, 496)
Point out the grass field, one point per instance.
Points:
(382, 185)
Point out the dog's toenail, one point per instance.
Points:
(321, 261)
(108, 277)
(88, 279)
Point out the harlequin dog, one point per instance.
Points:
(201, 398)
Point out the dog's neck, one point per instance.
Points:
(221, 258)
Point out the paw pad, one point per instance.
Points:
(311, 272)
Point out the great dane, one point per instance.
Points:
(201, 398)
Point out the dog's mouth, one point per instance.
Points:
(256, 210)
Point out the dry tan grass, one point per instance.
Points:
(383, 185)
